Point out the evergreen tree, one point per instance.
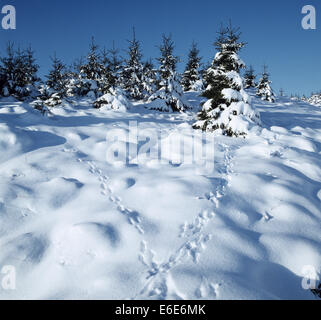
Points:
(7, 71)
(3, 81)
(203, 72)
(227, 108)
(191, 75)
(249, 78)
(167, 61)
(20, 82)
(132, 72)
(46, 98)
(18, 73)
(75, 82)
(149, 78)
(91, 73)
(57, 78)
(264, 89)
(169, 97)
(114, 65)
(107, 78)
(92, 70)
(31, 68)
(315, 99)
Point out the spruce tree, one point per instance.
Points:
(249, 78)
(228, 107)
(25, 74)
(114, 65)
(264, 90)
(169, 97)
(167, 60)
(31, 68)
(57, 78)
(107, 78)
(93, 68)
(315, 99)
(74, 78)
(191, 75)
(7, 71)
(18, 73)
(3, 81)
(90, 76)
(46, 98)
(132, 72)
(149, 79)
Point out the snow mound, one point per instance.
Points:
(115, 100)
(165, 102)
(8, 143)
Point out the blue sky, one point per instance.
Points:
(272, 30)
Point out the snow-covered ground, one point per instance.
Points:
(77, 226)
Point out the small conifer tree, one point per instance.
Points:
(264, 90)
(228, 108)
(169, 97)
(249, 78)
(132, 72)
(191, 74)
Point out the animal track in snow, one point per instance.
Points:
(188, 230)
(207, 290)
(159, 281)
(133, 217)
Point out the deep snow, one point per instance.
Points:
(76, 226)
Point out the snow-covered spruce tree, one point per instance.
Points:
(113, 65)
(3, 80)
(264, 90)
(315, 99)
(108, 79)
(31, 71)
(170, 96)
(7, 70)
(19, 83)
(18, 73)
(46, 99)
(249, 78)
(57, 78)
(228, 108)
(149, 79)
(167, 60)
(191, 78)
(55, 89)
(74, 86)
(89, 82)
(203, 73)
(113, 96)
(132, 71)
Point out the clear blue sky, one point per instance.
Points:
(272, 30)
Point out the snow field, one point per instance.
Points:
(77, 226)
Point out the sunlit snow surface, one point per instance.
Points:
(76, 226)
